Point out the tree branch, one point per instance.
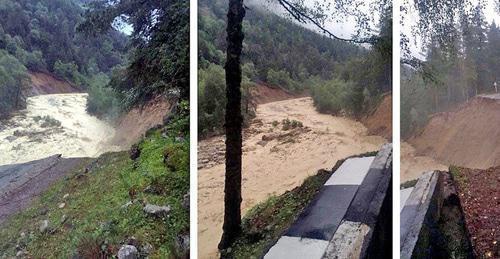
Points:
(304, 18)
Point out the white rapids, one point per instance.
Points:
(54, 124)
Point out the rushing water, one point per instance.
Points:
(54, 124)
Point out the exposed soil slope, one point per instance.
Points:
(43, 83)
(380, 121)
(134, 124)
(274, 160)
(469, 136)
(265, 94)
(479, 194)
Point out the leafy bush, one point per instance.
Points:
(333, 96)
(212, 99)
(13, 79)
(103, 100)
(282, 78)
(291, 124)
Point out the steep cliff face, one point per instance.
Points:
(468, 136)
(134, 124)
(380, 121)
(44, 83)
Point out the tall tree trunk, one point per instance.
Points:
(232, 187)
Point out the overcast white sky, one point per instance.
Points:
(343, 29)
(347, 28)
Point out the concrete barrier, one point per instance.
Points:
(350, 217)
(419, 216)
(432, 223)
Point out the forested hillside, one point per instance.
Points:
(280, 53)
(41, 36)
(454, 76)
(158, 58)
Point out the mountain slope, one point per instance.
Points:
(468, 136)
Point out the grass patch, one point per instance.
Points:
(96, 220)
(264, 224)
(457, 175)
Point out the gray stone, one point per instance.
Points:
(147, 249)
(155, 210)
(128, 252)
(44, 226)
(185, 201)
(43, 211)
(182, 243)
(64, 218)
(21, 254)
(126, 205)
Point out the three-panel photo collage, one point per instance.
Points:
(249, 129)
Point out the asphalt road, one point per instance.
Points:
(20, 184)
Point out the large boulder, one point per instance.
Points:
(128, 252)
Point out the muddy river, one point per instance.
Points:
(54, 124)
(274, 166)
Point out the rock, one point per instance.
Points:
(10, 138)
(179, 139)
(20, 253)
(64, 218)
(80, 176)
(43, 211)
(44, 226)
(185, 201)
(152, 190)
(132, 241)
(128, 252)
(146, 249)
(155, 210)
(126, 205)
(62, 205)
(66, 196)
(134, 152)
(182, 244)
(262, 143)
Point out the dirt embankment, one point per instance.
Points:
(469, 136)
(379, 122)
(262, 94)
(135, 123)
(44, 83)
(276, 158)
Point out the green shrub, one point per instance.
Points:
(103, 100)
(13, 79)
(332, 96)
(291, 124)
(282, 78)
